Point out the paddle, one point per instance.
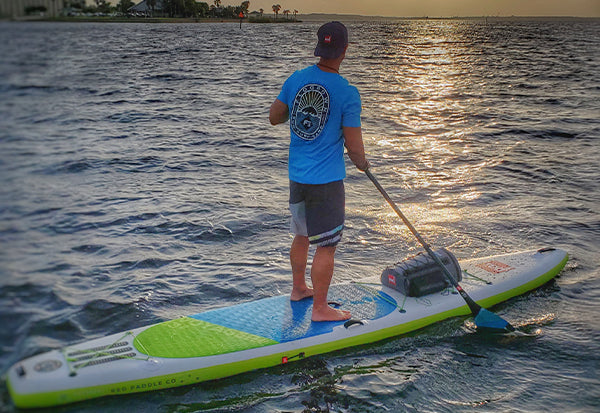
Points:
(484, 319)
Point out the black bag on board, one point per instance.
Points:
(421, 275)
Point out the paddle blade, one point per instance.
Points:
(490, 322)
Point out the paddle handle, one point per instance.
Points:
(473, 306)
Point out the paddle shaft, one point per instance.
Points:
(475, 308)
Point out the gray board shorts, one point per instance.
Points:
(318, 212)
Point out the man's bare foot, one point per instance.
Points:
(330, 314)
(298, 295)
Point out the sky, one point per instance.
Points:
(433, 8)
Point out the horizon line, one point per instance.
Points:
(452, 17)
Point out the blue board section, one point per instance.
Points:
(282, 320)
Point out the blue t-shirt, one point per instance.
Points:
(320, 104)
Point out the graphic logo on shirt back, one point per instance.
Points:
(310, 111)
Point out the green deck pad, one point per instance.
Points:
(188, 337)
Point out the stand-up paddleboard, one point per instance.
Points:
(263, 333)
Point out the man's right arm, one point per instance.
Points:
(279, 112)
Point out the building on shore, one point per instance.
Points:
(148, 8)
(19, 8)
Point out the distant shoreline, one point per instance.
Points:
(314, 17)
(123, 19)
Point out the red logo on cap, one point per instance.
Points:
(328, 38)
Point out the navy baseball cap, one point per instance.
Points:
(333, 38)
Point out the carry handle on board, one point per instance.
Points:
(484, 319)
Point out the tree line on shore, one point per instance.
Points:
(174, 8)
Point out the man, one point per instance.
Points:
(324, 114)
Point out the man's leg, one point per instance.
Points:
(321, 274)
(298, 257)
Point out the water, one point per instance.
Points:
(141, 181)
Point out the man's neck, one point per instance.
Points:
(327, 65)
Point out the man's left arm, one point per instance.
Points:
(356, 149)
